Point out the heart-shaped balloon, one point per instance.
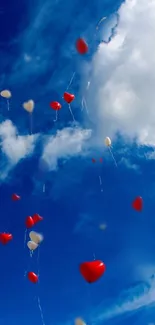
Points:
(92, 271)
(29, 106)
(6, 93)
(36, 237)
(81, 46)
(137, 204)
(55, 105)
(29, 222)
(32, 277)
(36, 218)
(68, 97)
(32, 245)
(15, 197)
(5, 238)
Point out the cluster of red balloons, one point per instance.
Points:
(94, 160)
(82, 48)
(31, 221)
(56, 106)
(92, 271)
(5, 238)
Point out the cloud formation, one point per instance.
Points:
(15, 147)
(123, 76)
(66, 143)
(133, 299)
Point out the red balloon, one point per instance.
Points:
(101, 160)
(15, 197)
(93, 160)
(137, 204)
(32, 277)
(29, 222)
(68, 97)
(36, 218)
(5, 238)
(55, 105)
(92, 271)
(81, 46)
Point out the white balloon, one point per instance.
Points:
(35, 237)
(107, 141)
(6, 93)
(29, 106)
(32, 245)
(79, 321)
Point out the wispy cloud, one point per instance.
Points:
(131, 300)
(128, 164)
(82, 223)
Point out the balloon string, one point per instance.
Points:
(82, 103)
(69, 106)
(86, 107)
(8, 105)
(41, 312)
(30, 123)
(38, 257)
(100, 180)
(25, 236)
(56, 116)
(71, 80)
(88, 85)
(31, 253)
(113, 157)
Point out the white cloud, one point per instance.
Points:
(128, 164)
(15, 147)
(66, 143)
(123, 76)
(133, 299)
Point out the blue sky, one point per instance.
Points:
(38, 59)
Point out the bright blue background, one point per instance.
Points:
(73, 205)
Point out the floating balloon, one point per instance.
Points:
(107, 141)
(6, 94)
(103, 226)
(108, 144)
(29, 222)
(137, 204)
(32, 277)
(32, 245)
(55, 105)
(81, 46)
(92, 271)
(36, 218)
(79, 321)
(15, 197)
(5, 238)
(35, 237)
(29, 106)
(69, 98)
